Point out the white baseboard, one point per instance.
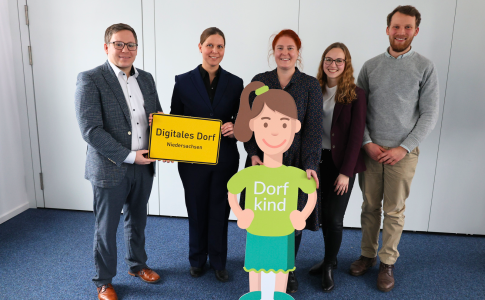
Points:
(12, 213)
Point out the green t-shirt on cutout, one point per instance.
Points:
(272, 194)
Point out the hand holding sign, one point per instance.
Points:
(150, 118)
(227, 129)
(140, 158)
(185, 139)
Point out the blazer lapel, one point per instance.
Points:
(336, 112)
(200, 87)
(142, 83)
(221, 87)
(114, 84)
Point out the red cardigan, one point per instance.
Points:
(347, 133)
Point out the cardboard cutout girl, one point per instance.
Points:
(271, 214)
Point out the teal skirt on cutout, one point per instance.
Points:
(270, 253)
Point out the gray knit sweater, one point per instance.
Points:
(402, 99)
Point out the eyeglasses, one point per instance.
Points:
(121, 45)
(328, 61)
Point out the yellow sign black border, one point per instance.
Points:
(186, 161)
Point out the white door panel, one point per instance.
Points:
(67, 38)
(458, 199)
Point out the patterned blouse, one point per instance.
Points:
(306, 150)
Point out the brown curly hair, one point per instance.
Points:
(346, 86)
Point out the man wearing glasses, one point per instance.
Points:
(113, 102)
(402, 91)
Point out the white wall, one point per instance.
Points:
(15, 183)
(169, 33)
(459, 193)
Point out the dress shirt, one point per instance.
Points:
(136, 106)
(411, 51)
(328, 107)
(210, 87)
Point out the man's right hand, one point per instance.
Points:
(256, 161)
(150, 118)
(141, 160)
(373, 150)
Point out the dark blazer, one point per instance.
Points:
(348, 123)
(190, 98)
(104, 119)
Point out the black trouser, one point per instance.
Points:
(208, 210)
(131, 195)
(333, 208)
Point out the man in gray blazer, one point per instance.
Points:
(113, 102)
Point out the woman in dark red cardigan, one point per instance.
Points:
(344, 112)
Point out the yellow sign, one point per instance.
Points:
(185, 139)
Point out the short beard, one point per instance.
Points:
(397, 48)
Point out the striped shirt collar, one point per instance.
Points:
(400, 56)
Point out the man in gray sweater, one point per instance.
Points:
(402, 91)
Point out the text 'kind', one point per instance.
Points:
(264, 205)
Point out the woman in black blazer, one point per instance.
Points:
(344, 112)
(209, 91)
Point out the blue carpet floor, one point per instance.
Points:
(47, 254)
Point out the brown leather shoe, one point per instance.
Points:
(385, 279)
(107, 292)
(360, 266)
(147, 275)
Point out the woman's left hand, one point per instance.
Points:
(310, 173)
(341, 184)
(227, 129)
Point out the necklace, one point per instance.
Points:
(284, 86)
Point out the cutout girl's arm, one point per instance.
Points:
(244, 217)
(298, 218)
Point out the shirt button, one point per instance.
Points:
(139, 137)
(333, 134)
(333, 146)
(133, 109)
(129, 132)
(137, 123)
(130, 96)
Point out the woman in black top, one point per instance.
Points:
(209, 91)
